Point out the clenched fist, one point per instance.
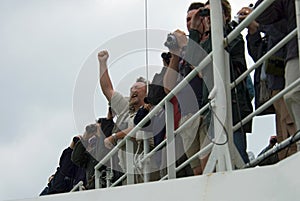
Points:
(103, 56)
(109, 142)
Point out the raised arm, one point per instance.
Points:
(199, 28)
(254, 39)
(105, 81)
(171, 74)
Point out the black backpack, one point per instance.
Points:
(156, 90)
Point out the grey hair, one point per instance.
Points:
(141, 79)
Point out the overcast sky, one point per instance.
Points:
(48, 79)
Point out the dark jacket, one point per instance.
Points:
(85, 160)
(88, 160)
(257, 47)
(66, 175)
(282, 9)
(241, 101)
(67, 167)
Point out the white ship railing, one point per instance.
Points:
(284, 144)
(224, 156)
(79, 186)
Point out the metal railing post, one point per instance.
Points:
(109, 173)
(146, 163)
(129, 161)
(155, 110)
(297, 7)
(221, 80)
(219, 157)
(171, 160)
(97, 177)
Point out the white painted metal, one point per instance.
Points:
(78, 186)
(272, 183)
(152, 152)
(219, 156)
(109, 173)
(264, 57)
(254, 14)
(129, 161)
(269, 102)
(284, 144)
(297, 5)
(171, 165)
(236, 159)
(146, 164)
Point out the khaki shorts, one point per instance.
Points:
(194, 137)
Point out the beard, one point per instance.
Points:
(133, 101)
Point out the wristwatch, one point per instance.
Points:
(114, 136)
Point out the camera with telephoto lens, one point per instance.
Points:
(171, 42)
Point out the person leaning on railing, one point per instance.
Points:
(125, 111)
(241, 100)
(88, 151)
(67, 174)
(157, 125)
(271, 73)
(190, 97)
(278, 10)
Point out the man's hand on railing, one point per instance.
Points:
(109, 142)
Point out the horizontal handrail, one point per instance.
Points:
(78, 186)
(201, 152)
(267, 104)
(206, 61)
(264, 57)
(152, 152)
(157, 108)
(252, 16)
(280, 146)
(119, 180)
